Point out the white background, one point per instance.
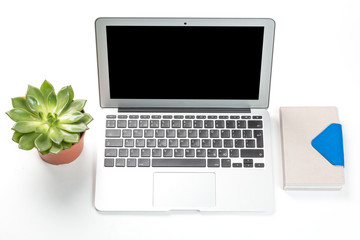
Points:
(316, 62)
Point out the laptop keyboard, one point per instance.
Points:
(174, 140)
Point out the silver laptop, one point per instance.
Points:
(185, 125)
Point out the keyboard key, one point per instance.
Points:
(113, 143)
(259, 165)
(223, 152)
(134, 152)
(237, 165)
(213, 162)
(203, 133)
(255, 124)
(248, 161)
(253, 153)
(226, 162)
(110, 123)
(258, 134)
(154, 123)
(228, 143)
(167, 152)
(145, 152)
(219, 124)
(143, 123)
(112, 152)
(184, 142)
(110, 116)
(148, 133)
(250, 143)
(121, 123)
(140, 143)
(200, 153)
(159, 133)
(173, 142)
(217, 143)
(247, 133)
(239, 143)
(112, 133)
(190, 153)
(129, 142)
(248, 165)
(236, 133)
(198, 123)
(132, 123)
(109, 162)
(214, 133)
(195, 143)
(206, 143)
(192, 133)
(211, 153)
(225, 133)
(165, 123)
(123, 152)
(131, 162)
(178, 152)
(187, 123)
(151, 143)
(156, 152)
(191, 162)
(234, 153)
(241, 124)
(176, 124)
(120, 162)
(144, 162)
(230, 124)
(209, 123)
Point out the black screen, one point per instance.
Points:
(184, 62)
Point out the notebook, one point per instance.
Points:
(312, 148)
(185, 125)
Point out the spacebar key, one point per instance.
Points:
(174, 162)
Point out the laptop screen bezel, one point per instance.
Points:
(103, 73)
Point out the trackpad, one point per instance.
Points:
(188, 191)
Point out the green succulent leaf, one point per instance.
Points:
(43, 128)
(46, 88)
(20, 115)
(20, 103)
(52, 101)
(55, 135)
(86, 119)
(27, 141)
(66, 145)
(33, 104)
(75, 106)
(74, 127)
(26, 126)
(71, 93)
(36, 93)
(43, 142)
(56, 148)
(71, 117)
(63, 98)
(16, 136)
(70, 137)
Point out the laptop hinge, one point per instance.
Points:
(185, 110)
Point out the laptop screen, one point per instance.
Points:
(184, 62)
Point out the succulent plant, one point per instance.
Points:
(48, 121)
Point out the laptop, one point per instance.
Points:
(185, 125)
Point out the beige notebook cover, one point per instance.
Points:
(303, 166)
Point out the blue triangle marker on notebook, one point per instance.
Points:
(329, 143)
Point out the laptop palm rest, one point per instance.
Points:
(184, 191)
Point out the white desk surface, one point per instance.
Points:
(316, 62)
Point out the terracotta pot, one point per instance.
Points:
(66, 155)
